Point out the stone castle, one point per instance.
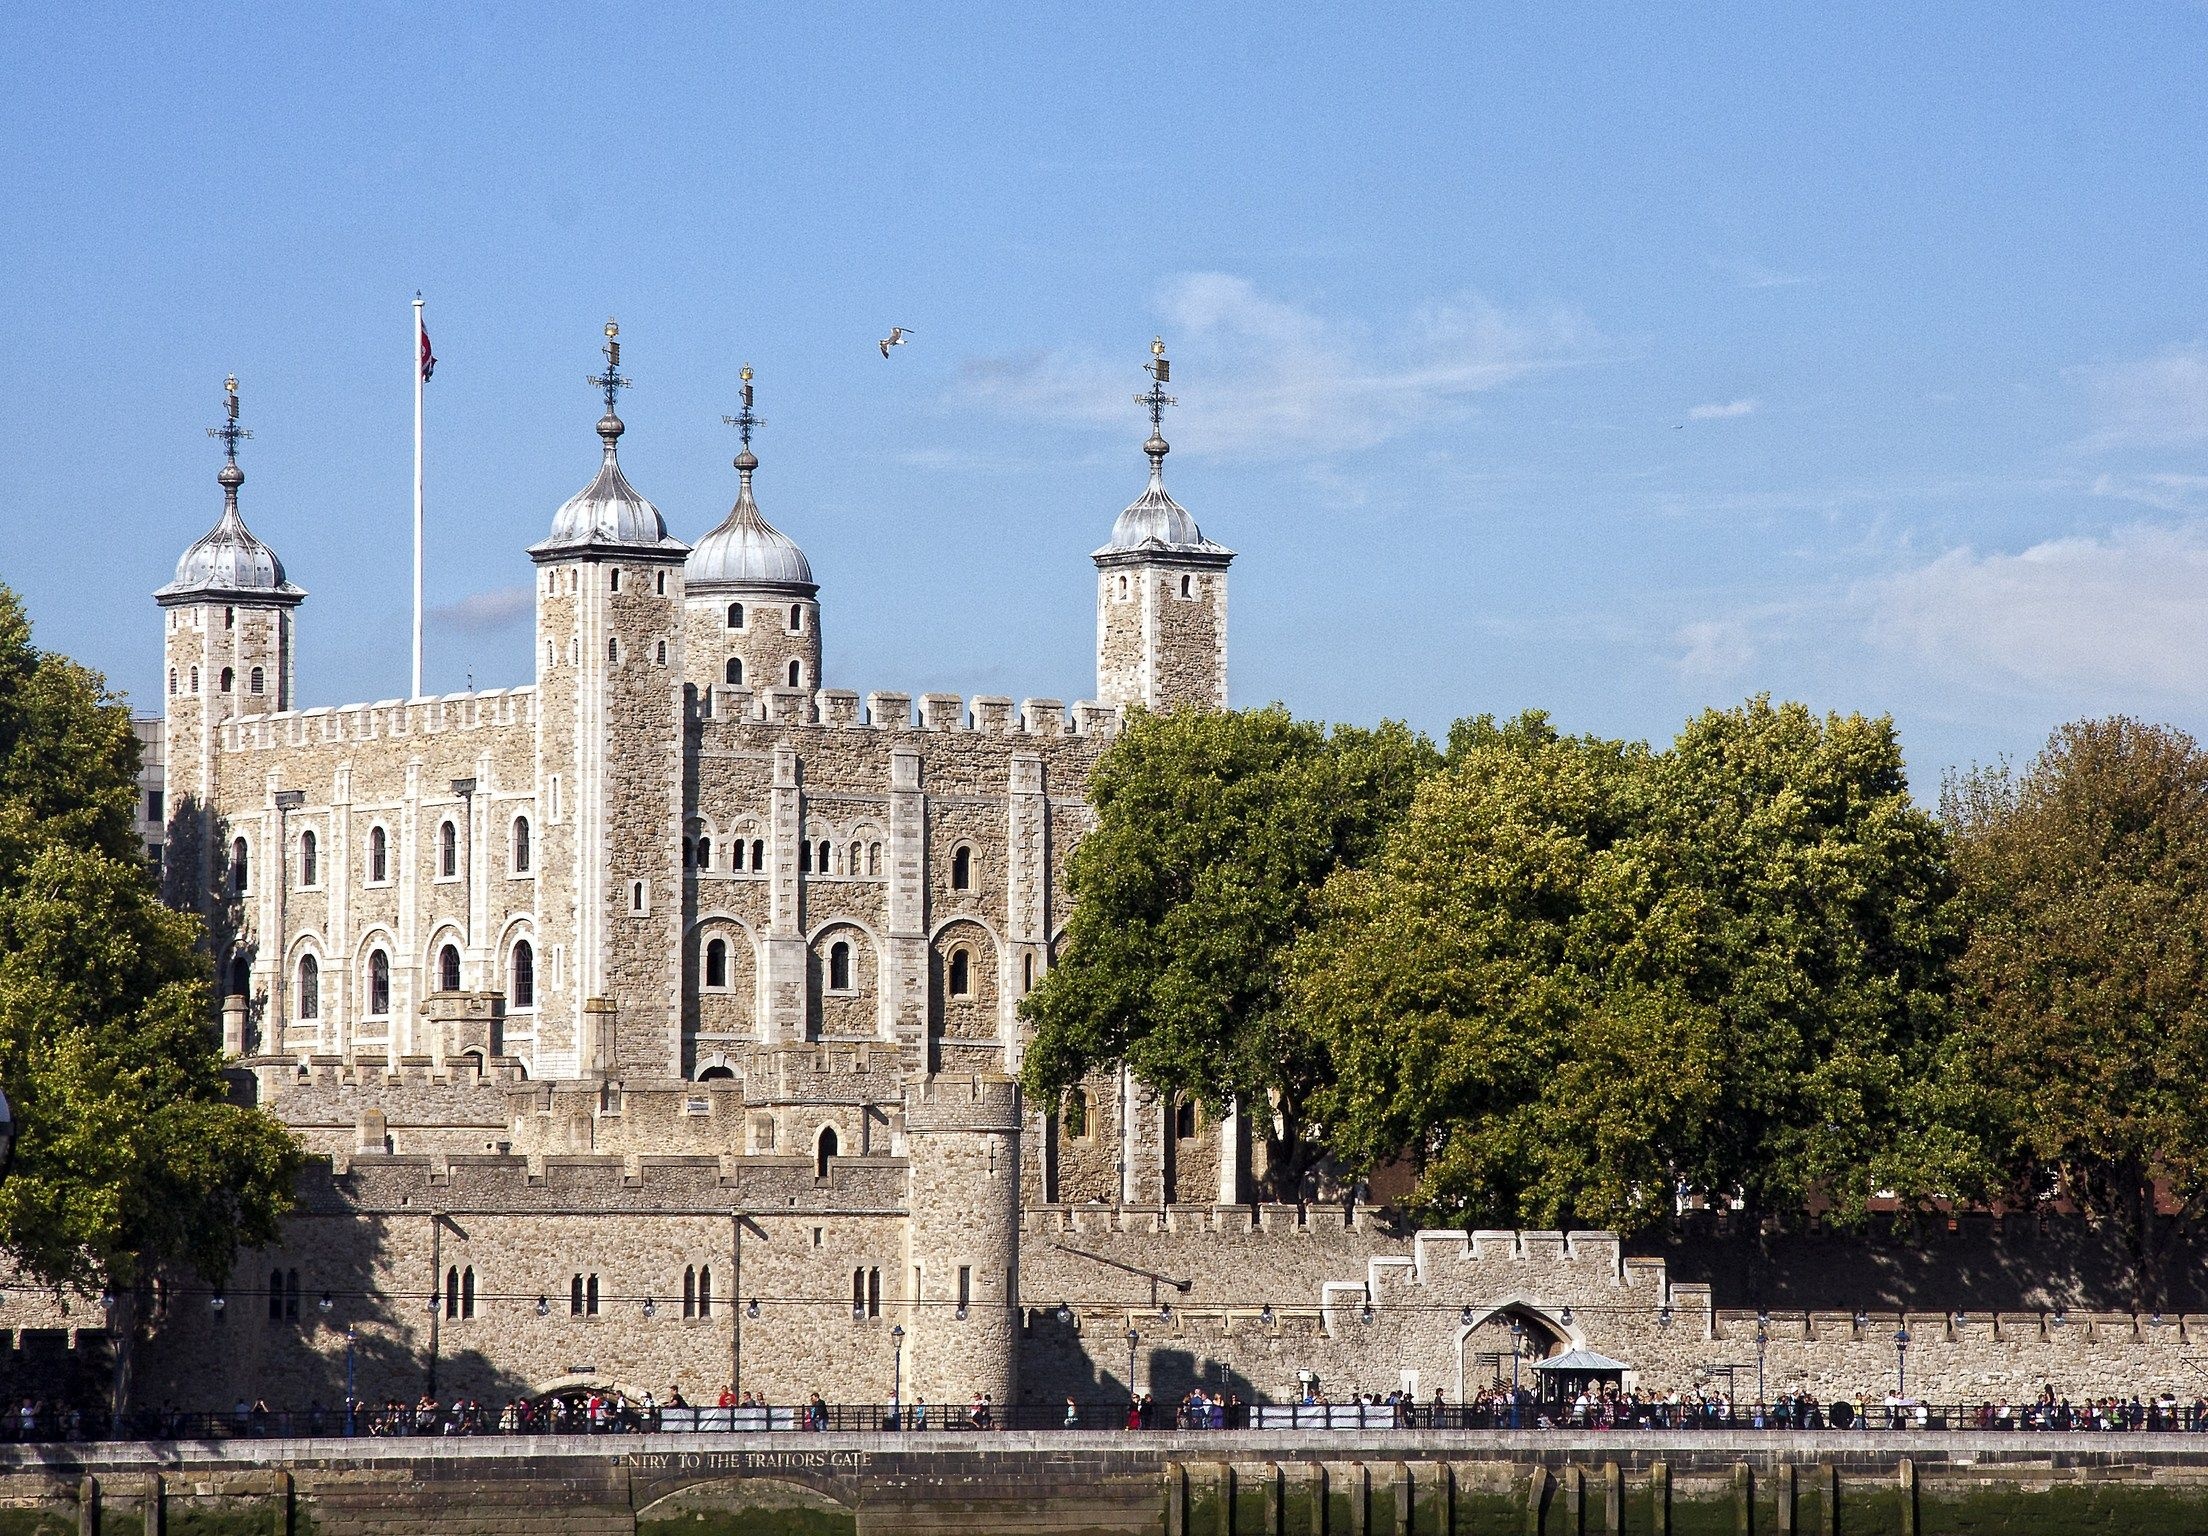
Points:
(655, 1025)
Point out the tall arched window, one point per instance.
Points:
(705, 1290)
(258, 681)
(735, 672)
(962, 868)
(797, 674)
(797, 618)
(962, 973)
(716, 962)
(823, 1151)
(521, 845)
(822, 864)
(689, 1291)
(310, 987)
(873, 858)
(659, 653)
(521, 976)
(310, 872)
(379, 856)
(229, 679)
(448, 968)
(195, 680)
(241, 976)
(240, 868)
(172, 682)
(467, 1291)
(839, 967)
(705, 853)
(735, 615)
(758, 854)
(448, 849)
(379, 983)
(613, 649)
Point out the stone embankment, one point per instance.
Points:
(1246, 1483)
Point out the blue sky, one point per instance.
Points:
(1610, 361)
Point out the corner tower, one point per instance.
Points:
(752, 617)
(609, 773)
(227, 654)
(1161, 590)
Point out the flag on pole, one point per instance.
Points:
(429, 358)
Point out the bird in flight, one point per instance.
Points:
(895, 338)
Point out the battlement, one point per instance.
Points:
(963, 1101)
(385, 720)
(842, 709)
(588, 1182)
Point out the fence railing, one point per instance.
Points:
(613, 1416)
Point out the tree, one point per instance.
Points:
(2085, 979)
(1213, 833)
(129, 1156)
(1582, 975)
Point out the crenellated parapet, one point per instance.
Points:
(845, 709)
(383, 721)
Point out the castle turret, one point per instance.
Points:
(609, 772)
(1161, 594)
(752, 617)
(227, 618)
(962, 1144)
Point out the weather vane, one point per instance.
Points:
(229, 432)
(611, 380)
(1160, 369)
(744, 420)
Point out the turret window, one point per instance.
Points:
(310, 873)
(1123, 588)
(172, 682)
(839, 967)
(229, 618)
(962, 974)
(195, 682)
(613, 649)
(716, 962)
(659, 653)
(659, 584)
(448, 851)
(258, 681)
(797, 674)
(735, 615)
(379, 984)
(521, 976)
(705, 853)
(1188, 586)
(962, 868)
(229, 679)
(241, 869)
(521, 845)
(735, 671)
(617, 578)
(797, 619)
(448, 968)
(310, 987)
(639, 904)
(379, 856)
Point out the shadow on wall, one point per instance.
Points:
(1091, 1366)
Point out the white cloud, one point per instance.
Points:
(1713, 649)
(2163, 492)
(483, 612)
(2125, 612)
(1724, 411)
(1754, 274)
(2159, 401)
(1260, 377)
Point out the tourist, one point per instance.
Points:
(1073, 1415)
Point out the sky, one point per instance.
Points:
(1618, 362)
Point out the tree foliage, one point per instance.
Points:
(129, 1154)
(1213, 834)
(2085, 980)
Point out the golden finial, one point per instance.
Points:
(746, 374)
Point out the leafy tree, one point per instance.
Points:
(2085, 980)
(129, 1155)
(1214, 831)
(1582, 974)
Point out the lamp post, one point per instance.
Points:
(897, 1377)
(1901, 1360)
(1517, 1344)
(1133, 1396)
(351, 1396)
(1763, 1337)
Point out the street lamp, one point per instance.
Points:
(351, 1396)
(1763, 1337)
(897, 1376)
(1901, 1361)
(1517, 1343)
(1133, 1338)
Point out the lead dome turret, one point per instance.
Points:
(227, 563)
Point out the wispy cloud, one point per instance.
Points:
(1754, 274)
(2163, 492)
(2151, 402)
(484, 612)
(2124, 612)
(1724, 411)
(1713, 649)
(1267, 378)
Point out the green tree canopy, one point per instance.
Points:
(129, 1154)
(1213, 833)
(2085, 980)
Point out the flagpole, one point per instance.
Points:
(417, 358)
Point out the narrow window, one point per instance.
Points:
(705, 1290)
(965, 1288)
(962, 869)
(613, 649)
(448, 849)
(310, 987)
(467, 1291)
(758, 854)
(379, 983)
(659, 584)
(257, 680)
(521, 845)
(521, 991)
(616, 573)
(823, 1151)
(379, 866)
(309, 861)
(873, 1292)
(636, 896)
(822, 862)
(195, 682)
(689, 1290)
(735, 671)
(716, 963)
(229, 679)
(839, 967)
(154, 810)
(555, 797)
(804, 858)
(241, 976)
(590, 1296)
(1184, 1119)
(229, 618)
(275, 1295)
(735, 615)
(1123, 586)
(736, 854)
(1188, 586)
(1027, 973)
(172, 682)
(858, 1293)
(659, 653)
(448, 968)
(961, 973)
(575, 650)
(797, 619)
(575, 1297)
(452, 1292)
(240, 868)
(705, 853)
(797, 674)
(873, 858)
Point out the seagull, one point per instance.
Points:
(895, 338)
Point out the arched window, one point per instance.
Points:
(705, 1290)
(735, 615)
(716, 962)
(659, 584)
(172, 682)
(241, 976)
(379, 856)
(659, 653)
(229, 679)
(822, 863)
(804, 858)
(240, 868)
(521, 845)
(1122, 586)
(1184, 1119)
(521, 976)
(309, 862)
(689, 1290)
(873, 858)
(1027, 973)
(962, 868)
(758, 854)
(797, 618)
(1077, 1120)
(452, 1292)
(1188, 586)
(575, 1297)
(615, 573)
(823, 1150)
(636, 896)
(734, 672)
(310, 987)
(590, 1296)
(195, 681)
(257, 680)
(467, 1291)
(379, 983)
(736, 853)
(839, 967)
(797, 674)
(229, 618)
(448, 849)
(448, 968)
(705, 853)
(962, 973)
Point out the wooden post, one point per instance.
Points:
(1176, 1499)
(1659, 1498)
(1613, 1497)
(1272, 1500)
(1828, 1489)
(156, 1515)
(88, 1506)
(1785, 1493)
(1537, 1498)
(1907, 1475)
(280, 1525)
(1744, 1500)
(1575, 1501)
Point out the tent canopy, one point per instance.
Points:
(1581, 1360)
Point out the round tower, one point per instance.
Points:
(962, 1147)
(752, 618)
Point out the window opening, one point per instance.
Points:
(962, 869)
(309, 862)
(379, 983)
(310, 987)
(839, 967)
(521, 845)
(961, 973)
(448, 849)
(448, 968)
(378, 856)
(716, 963)
(522, 976)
